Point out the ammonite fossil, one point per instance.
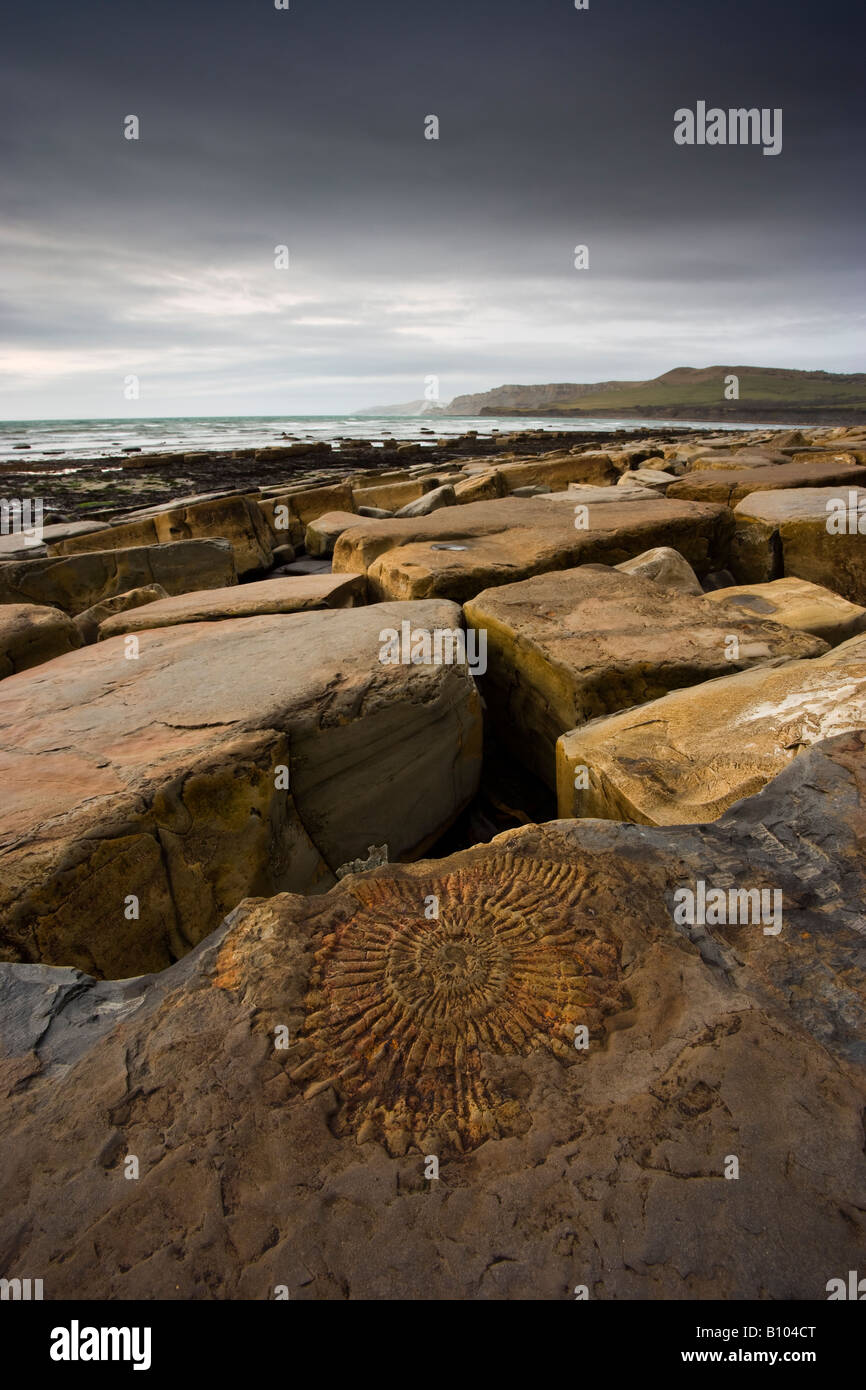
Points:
(428, 977)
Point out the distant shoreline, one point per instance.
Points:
(102, 487)
(793, 415)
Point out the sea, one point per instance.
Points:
(51, 441)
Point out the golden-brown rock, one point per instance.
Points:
(31, 635)
(78, 582)
(567, 647)
(147, 791)
(806, 533)
(687, 757)
(730, 486)
(235, 519)
(665, 567)
(323, 533)
(289, 594)
(88, 622)
(458, 551)
(558, 470)
(794, 603)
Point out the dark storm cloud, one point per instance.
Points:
(410, 257)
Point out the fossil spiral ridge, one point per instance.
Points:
(427, 977)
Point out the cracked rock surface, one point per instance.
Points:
(458, 551)
(283, 1085)
(692, 754)
(569, 647)
(75, 583)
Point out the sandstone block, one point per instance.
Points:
(805, 533)
(77, 582)
(429, 502)
(255, 755)
(460, 550)
(732, 485)
(236, 519)
(292, 594)
(687, 757)
(31, 635)
(567, 647)
(795, 603)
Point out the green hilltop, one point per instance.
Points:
(771, 392)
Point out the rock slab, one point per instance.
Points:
(689, 756)
(31, 635)
(283, 1085)
(293, 594)
(75, 583)
(567, 647)
(458, 551)
(145, 797)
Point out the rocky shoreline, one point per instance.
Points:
(92, 489)
(438, 872)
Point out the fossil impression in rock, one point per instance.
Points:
(428, 977)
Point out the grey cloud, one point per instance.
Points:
(453, 257)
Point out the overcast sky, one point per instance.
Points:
(411, 257)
